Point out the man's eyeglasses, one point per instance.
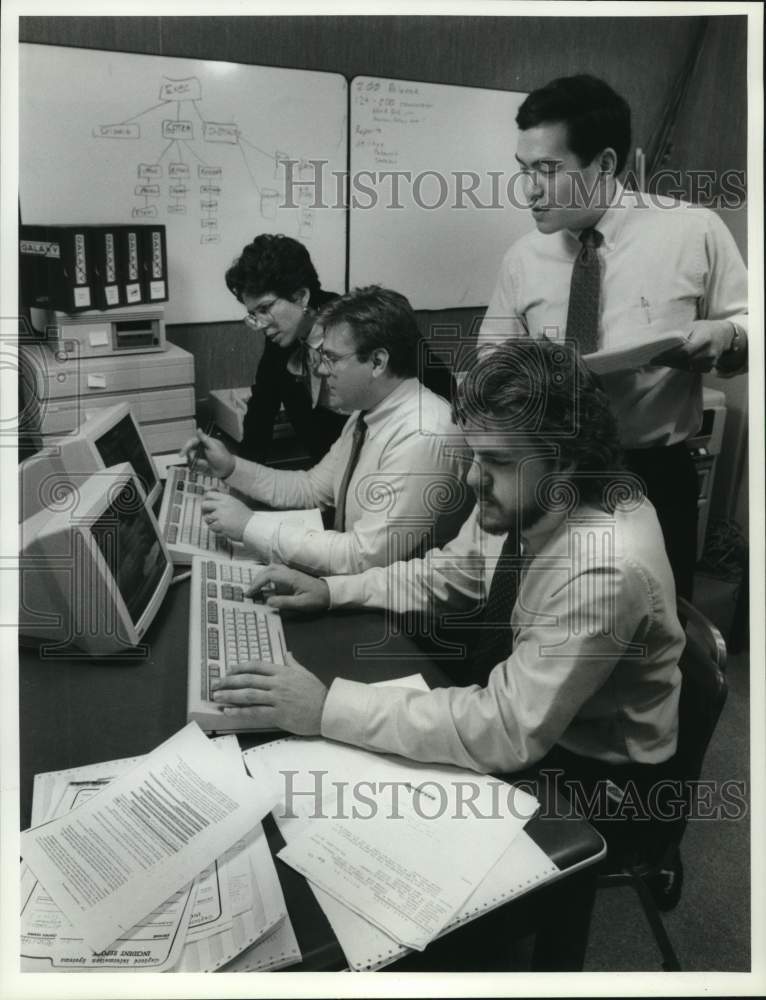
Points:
(261, 314)
(318, 356)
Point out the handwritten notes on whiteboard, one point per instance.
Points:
(435, 200)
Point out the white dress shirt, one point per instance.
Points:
(664, 264)
(407, 483)
(594, 665)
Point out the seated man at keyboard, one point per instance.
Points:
(576, 664)
(394, 476)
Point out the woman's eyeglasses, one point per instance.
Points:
(261, 315)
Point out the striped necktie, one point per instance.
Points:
(584, 293)
(360, 430)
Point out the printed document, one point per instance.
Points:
(402, 844)
(144, 837)
(49, 943)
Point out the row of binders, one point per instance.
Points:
(73, 268)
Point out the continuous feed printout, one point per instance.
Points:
(395, 841)
(144, 837)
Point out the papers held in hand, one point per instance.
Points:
(633, 355)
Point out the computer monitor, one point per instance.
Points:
(105, 438)
(94, 572)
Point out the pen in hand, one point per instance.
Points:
(208, 431)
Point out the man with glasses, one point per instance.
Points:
(394, 476)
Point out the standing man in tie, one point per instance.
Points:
(606, 266)
(395, 474)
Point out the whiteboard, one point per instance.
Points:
(440, 238)
(110, 137)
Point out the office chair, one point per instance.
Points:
(657, 877)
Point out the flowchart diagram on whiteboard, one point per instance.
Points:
(218, 152)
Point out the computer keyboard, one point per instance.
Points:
(226, 627)
(181, 521)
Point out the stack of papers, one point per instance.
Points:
(632, 355)
(398, 853)
(155, 864)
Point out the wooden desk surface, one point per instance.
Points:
(75, 712)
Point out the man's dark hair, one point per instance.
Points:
(378, 317)
(541, 390)
(277, 264)
(594, 115)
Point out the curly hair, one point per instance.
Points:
(541, 389)
(276, 264)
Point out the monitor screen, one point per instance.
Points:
(128, 541)
(122, 443)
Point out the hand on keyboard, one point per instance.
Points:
(290, 590)
(283, 696)
(224, 515)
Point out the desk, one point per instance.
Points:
(81, 712)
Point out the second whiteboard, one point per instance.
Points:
(434, 190)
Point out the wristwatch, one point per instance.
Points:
(736, 340)
(731, 359)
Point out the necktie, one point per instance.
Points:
(584, 293)
(496, 641)
(356, 446)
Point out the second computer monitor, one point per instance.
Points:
(106, 438)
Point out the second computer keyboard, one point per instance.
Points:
(181, 520)
(226, 628)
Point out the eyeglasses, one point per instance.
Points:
(318, 356)
(261, 314)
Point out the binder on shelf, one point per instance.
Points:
(154, 263)
(56, 267)
(106, 267)
(130, 252)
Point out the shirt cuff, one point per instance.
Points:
(345, 712)
(258, 541)
(241, 479)
(345, 591)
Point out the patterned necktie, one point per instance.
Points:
(360, 430)
(584, 293)
(496, 641)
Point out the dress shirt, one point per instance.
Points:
(410, 456)
(594, 665)
(664, 264)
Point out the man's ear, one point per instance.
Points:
(607, 161)
(379, 359)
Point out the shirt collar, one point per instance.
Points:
(611, 222)
(380, 414)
